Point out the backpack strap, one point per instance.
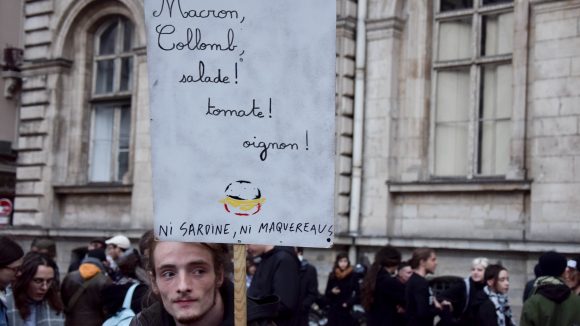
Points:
(129, 296)
(79, 292)
(467, 290)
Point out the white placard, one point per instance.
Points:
(242, 99)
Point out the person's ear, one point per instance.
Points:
(490, 283)
(154, 287)
(219, 280)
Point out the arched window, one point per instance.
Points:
(111, 101)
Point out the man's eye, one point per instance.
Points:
(167, 274)
(198, 271)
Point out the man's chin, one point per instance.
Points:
(188, 319)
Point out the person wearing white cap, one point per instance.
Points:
(116, 247)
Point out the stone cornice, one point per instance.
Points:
(46, 64)
(502, 245)
(385, 24)
(439, 186)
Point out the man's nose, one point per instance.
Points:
(184, 284)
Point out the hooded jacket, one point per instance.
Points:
(552, 304)
(88, 309)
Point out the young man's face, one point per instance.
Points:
(186, 280)
(405, 274)
(8, 273)
(431, 264)
(114, 251)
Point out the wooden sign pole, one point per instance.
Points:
(240, 310)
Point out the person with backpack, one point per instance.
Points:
(81, 291)
(128, 287)
(462, 295)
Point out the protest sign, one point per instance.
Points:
(242, 101)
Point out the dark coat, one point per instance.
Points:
(389, 293)
(419, 310)
(484, 311)
(88, 310)
(308, 290)
(156, 315)
(338, 314)
(278, 274)
(462, 302)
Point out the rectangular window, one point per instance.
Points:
(110, 143)
(110, 134)
(472, 88)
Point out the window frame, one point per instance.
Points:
(475, 64)
(117, 57)
(118, 99)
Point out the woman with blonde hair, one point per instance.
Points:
(462, 295)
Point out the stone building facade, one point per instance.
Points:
(11, 43)
(457, 128)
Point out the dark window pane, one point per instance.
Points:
(127, 36)
(125, 129)
(123, 165)
(126, 72)
(449, 5)
(497, 34)
(493, 2)
(105, 73)
(107, 40)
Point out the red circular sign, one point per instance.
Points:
(5, 207)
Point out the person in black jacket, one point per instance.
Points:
(382, 293)
(277, 274)
(421, 307)
(341, 292)
(491, 306)
(462, 296)
(308, 286)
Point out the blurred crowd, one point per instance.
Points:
(110, 282)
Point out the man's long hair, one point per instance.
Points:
(388, 256)
(28, 270)
(219, 253)
(420, 254)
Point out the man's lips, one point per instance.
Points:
(184, 302)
